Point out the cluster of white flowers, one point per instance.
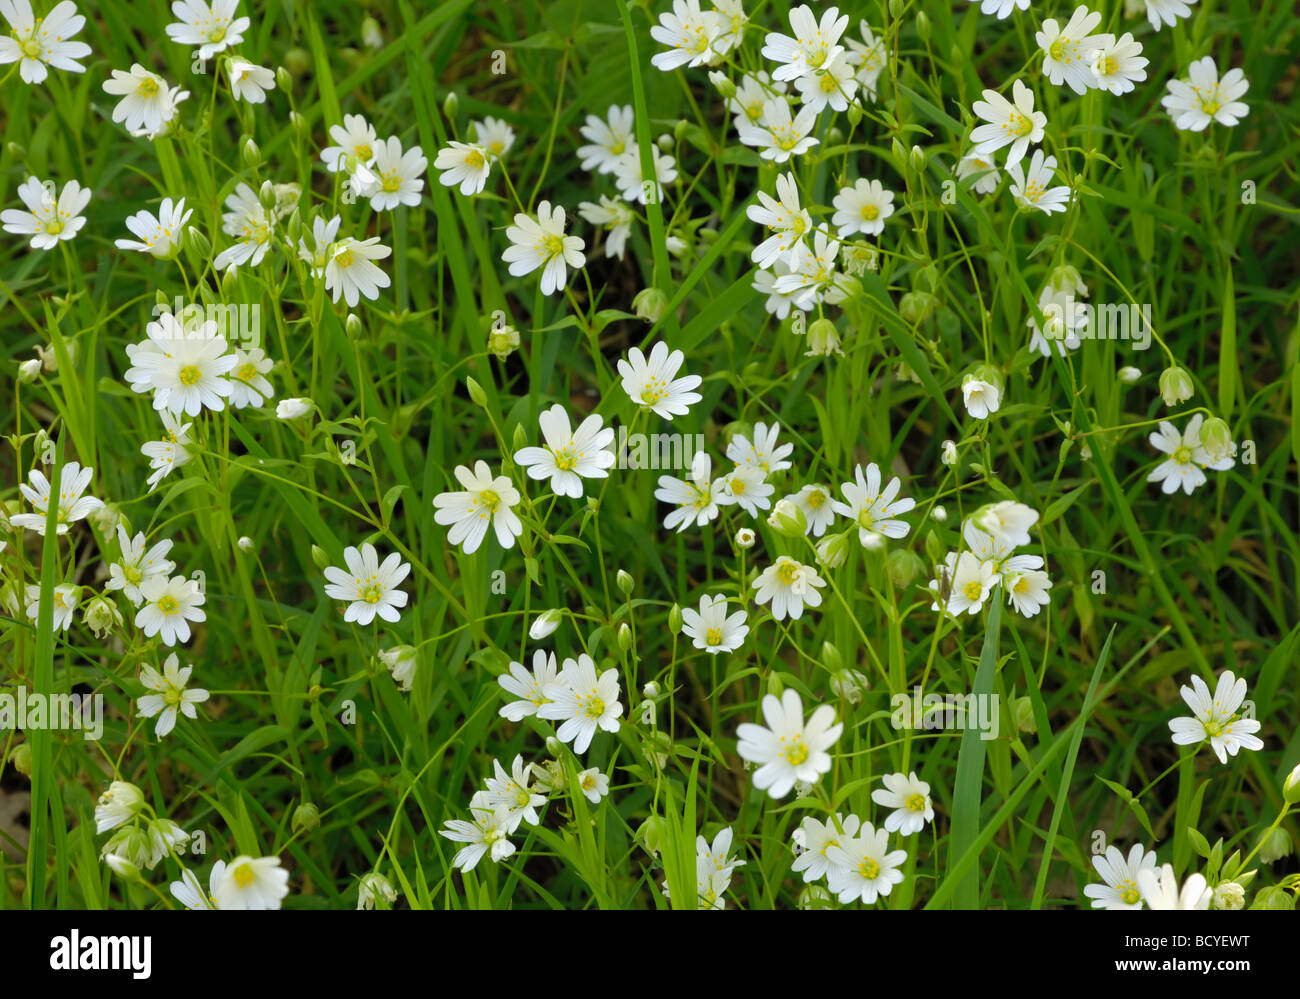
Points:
(968, 577)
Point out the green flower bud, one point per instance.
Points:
(652, 834)
(850, 685)
(1278, 845)
(197, 242)
(319, 556)
(831, 657)
(476, 392)
(306, 817)
(251, 155)
(545, 624)
(297, 61)
(675, 620)
(283, 80)
(650, 304)
(353, 325)
(1024, 712)
(903, 566)
(774, 685)
(1175, 385)
(788, 520)
(1217, 440)
(823, 339)
(625, 582)
(1291, 786)
(723, 85)
(816, 896)
(624, 636)
(922, 26)
(450, 104)
(21, 758)
(917, 305)
(520, 436)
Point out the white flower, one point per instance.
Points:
(710, 629)
(293, 408)
(64, 598)
(189, 890)
(981, 168)
(812, 840)
(1120, 876)
(136, 565)
(615, 216)
(631, 180)
(654, 383)
(1069, 52)
(593, 784)
(1031, 190)
(528, 687)
(763, 452)
(864, 867)
(696, 500)
(1012, 123)
(787, 750)
(776, 134)
(250, 224)
(1160, 889)
(752, 94)
(72, 506)
(117, 806)
(745, 486)
(494, 135)
(322, 237)
(48, 218)
(689, 34)
(511, 793)
(485, 835)
(731, 15)
(814, 45)
(874, 509)
(213, 28)
(465, 164)
(910, 799)
(831, 87)
(398, 175)
(1216, 718)
(745, 538)
(1229, 896)
(250, 82)
(541, 243)
(487, 501)
(1167, 11)
(981, 397)
(351, 273)
(607, 140)
(1187, 457)
(818, 507)
(569, 456)
(251, 883)
(402, 662)
(372, 888)
(1027, 590)
(789, 585)
(1009, 521)
(1119, 65)
(786, 220)
(368, 587)
(713, 870)
(170, 694)
(862, 208)
(582, 701)
(186, 369)
(777, 303)
(248, 383)
(964, 584)
(160, 235)
(356, 137)
(145, 99)
(814, 278)
(170, 453)
(1001, 9)
(1204, 97)
(170, 604)
(36, 43)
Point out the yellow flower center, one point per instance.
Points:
(344, 259)
(247, 372)
(173, 695)
(973, 590)
(1183, 455)
(363, 152)
(915, 803)
(1128, 892)
(1109, 66)
(31, 47)
(816, 498)
(489, 500)
(870, 212)
(551, 245)
(787, 572)
(566, 458)
(474, 159)
(371, 593)
(190, 374)
(713, 636)
(865, 520)
(869, 869)
(796, 754)
(169, 605)
(389, 181)
(147, 88)
(655, 389)
(595, 707)
(244, 876)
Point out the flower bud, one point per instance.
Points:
(293, 409)
(297, 61)
(823, 339)
(251, 154)
(29, 371)
(850, 685)
(831, 657)
(625, 582)
(816, 896)
(675, 619)
(948, 453)
(650, 304)
(101, 616)
(375, 890)
(832, 550)
(665, 142)
(21, 758)
(650, 690)
(1175, 385)
(1275, 898)
(198, 243)
(1277, 846)
(502, 341)
(1023, 709)
(723, 85)
(320, 558)
(745, 538)
(476, 392)
(371, 36)
(401, 661)
(1228, 895)
(775, 686)
(1217, 440)
(306, 817)
(788, 520)
(922, 26)
(545, 624)
(903, 566)
(624, 636)
(1128, 374)
(651, 834)
(917, 305)
(855, 114)
(1291, 786)
(122, 867)
(283, 79)
(266, 196)
(245, 543)
(520, 436)
(450, 104)
(939, 513)
(353, 325)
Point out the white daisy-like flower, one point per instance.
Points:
(158, 235)
(631, 180)
(1065, 322)
(170, 453)
(607, 139)
(249, 385)
(763, 452)
(814, 278)
(818, 507)
(910, 799)
(250, 82)
(582, 702)
(813, 838)
(752, 94)
(513, 793)
(463, 163)
(689, 34)
(653, 382)
(136, 564)
(356, 137)
(72, 506)
(594, 784)
(731, 34)
(399, 175)
(494, 135)
(145, 99)
(185, 369)
(1031, 189)
(170, 604)
(251, 883)
(1012, 123)
(995, 549)
(117, 806)
(1216, 718)
(1119, 65)
(711, 629)
(785, 219)
(35, 43)
(865, 868)
(1001, 9)
(874, 510)
(1204, 97)
(569, 456)
(250, 224)
(541, 243)
(323, 234)
(1068, 52)
(527, 686)
(212, 27)
(351, 273)
(368, 587)
(293, 409)
(189, 890)
(695, 501)
(786, 749)
(745, 486)
(963, 585)
(1027, 590)
(485, 836)
(171, 694)
(1159, 888)
(1188, 459)
(980, 397)
(64, 597)
(815, 45)
(1167, 11)
(983, 169)
(616, 217)
(790, 586)
(713, 870)
(1009, 520)
(777, 135)
(777, 303)
(486, 501)
(49, 217)
(1119, 875)
(862, 208)
(831, 87)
